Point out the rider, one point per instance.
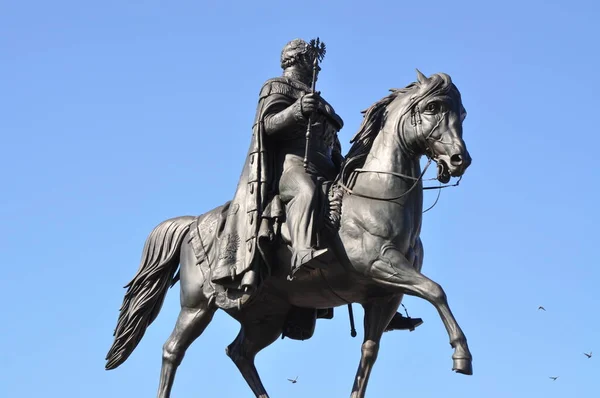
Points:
(285, 123)
(290, 104)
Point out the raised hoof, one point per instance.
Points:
(463, 366)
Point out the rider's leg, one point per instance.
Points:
(298, 190)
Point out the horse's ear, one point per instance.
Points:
(421, 77)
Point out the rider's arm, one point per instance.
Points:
(283, 120)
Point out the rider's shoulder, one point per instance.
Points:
(282, 85)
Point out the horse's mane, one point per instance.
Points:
(362, 142)
(375, 116)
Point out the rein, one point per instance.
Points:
(417, 180)
(350, 191)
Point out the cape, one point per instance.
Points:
(236, 263)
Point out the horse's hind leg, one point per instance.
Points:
(194, 317)
(253, 337)
(190, 324)
(378, 314)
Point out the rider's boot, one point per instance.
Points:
(304, 256)
(400, 322)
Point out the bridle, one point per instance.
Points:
(417, 125)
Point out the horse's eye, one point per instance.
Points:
(432, 107)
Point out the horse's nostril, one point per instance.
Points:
(456, 160)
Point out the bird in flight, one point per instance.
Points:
(541, 308)
(554, 377)
(588, 355)
(294, 380)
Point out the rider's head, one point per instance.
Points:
(296, 56)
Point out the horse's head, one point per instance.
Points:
(430, 120)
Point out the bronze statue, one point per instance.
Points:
(307, 230)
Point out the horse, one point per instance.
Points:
(376, 253)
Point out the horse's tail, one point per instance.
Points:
(147, 290)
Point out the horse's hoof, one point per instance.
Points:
(463, 366)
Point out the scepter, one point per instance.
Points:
(312, 88)
(317, 51)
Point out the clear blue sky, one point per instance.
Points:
(118, 115)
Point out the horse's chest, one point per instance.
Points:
(367, 229)
(392, 222)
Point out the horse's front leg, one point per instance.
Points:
(393, 270)
(378, 314)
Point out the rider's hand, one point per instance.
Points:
(310, 103)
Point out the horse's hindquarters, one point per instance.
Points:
(192, 276)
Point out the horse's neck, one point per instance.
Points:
(388, 156)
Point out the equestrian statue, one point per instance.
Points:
(308, 229)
